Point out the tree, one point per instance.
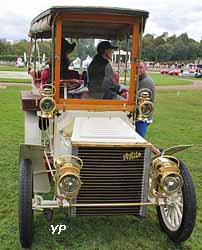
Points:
(181, 51)
(162, 48)
(164, 52)
(184, 38)
(84, 48)
(172, 39)
(20, 47)
(173, 48)
(5, 47)
(148, 48)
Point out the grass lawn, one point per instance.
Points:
(166, 80)
(16, 80)
(159, 80)
(190, 78)
(11, 68)
(163, 80)
(177, 121)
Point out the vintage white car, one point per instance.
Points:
(85, 151)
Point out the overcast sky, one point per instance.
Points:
(172, 16)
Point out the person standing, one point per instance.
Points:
(145, 82)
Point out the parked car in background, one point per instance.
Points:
(174, 72)
(164, 71)
(188, 74)
(198, 74)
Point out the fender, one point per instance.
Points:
(175, 149)
(35, 153)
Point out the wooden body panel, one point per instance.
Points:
(29, 101)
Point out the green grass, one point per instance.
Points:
(163, 80)
(11, 68)
(15, 80)
(177, 121)
(159, 80)
(190, 78)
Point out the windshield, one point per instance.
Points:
(91, 61)
(95, 68)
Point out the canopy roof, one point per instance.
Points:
(41, 25)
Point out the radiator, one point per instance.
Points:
(113, 175)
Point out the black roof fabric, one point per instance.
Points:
(97, 10)
(41, 25)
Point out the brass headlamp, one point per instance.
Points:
(47, 106)
(145, 105)
(68, 176)
(47, 103)
(166, 178)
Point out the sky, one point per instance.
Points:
(174, 17)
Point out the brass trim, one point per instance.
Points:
(47, 90)
(115, 204)
(144, 98)
(129, 144)
(162, 167)
(67, 165)
(68, 205)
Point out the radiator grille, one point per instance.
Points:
(108, 178)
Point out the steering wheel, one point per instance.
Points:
(71, 84)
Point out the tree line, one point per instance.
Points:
(163, 48)
(12, 51)
(166, 48)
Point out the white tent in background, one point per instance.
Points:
(44, 59)
(86, 62)
(77, 63)
(19, 62)
(25, 57)
(122, 54)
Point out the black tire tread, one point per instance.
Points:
(25, 203)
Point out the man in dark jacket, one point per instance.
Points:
(100, 73)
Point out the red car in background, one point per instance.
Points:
(174, 72)
(164, 71)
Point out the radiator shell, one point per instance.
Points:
(109, 177)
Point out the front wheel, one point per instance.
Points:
(25, 203)
(177, 218)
